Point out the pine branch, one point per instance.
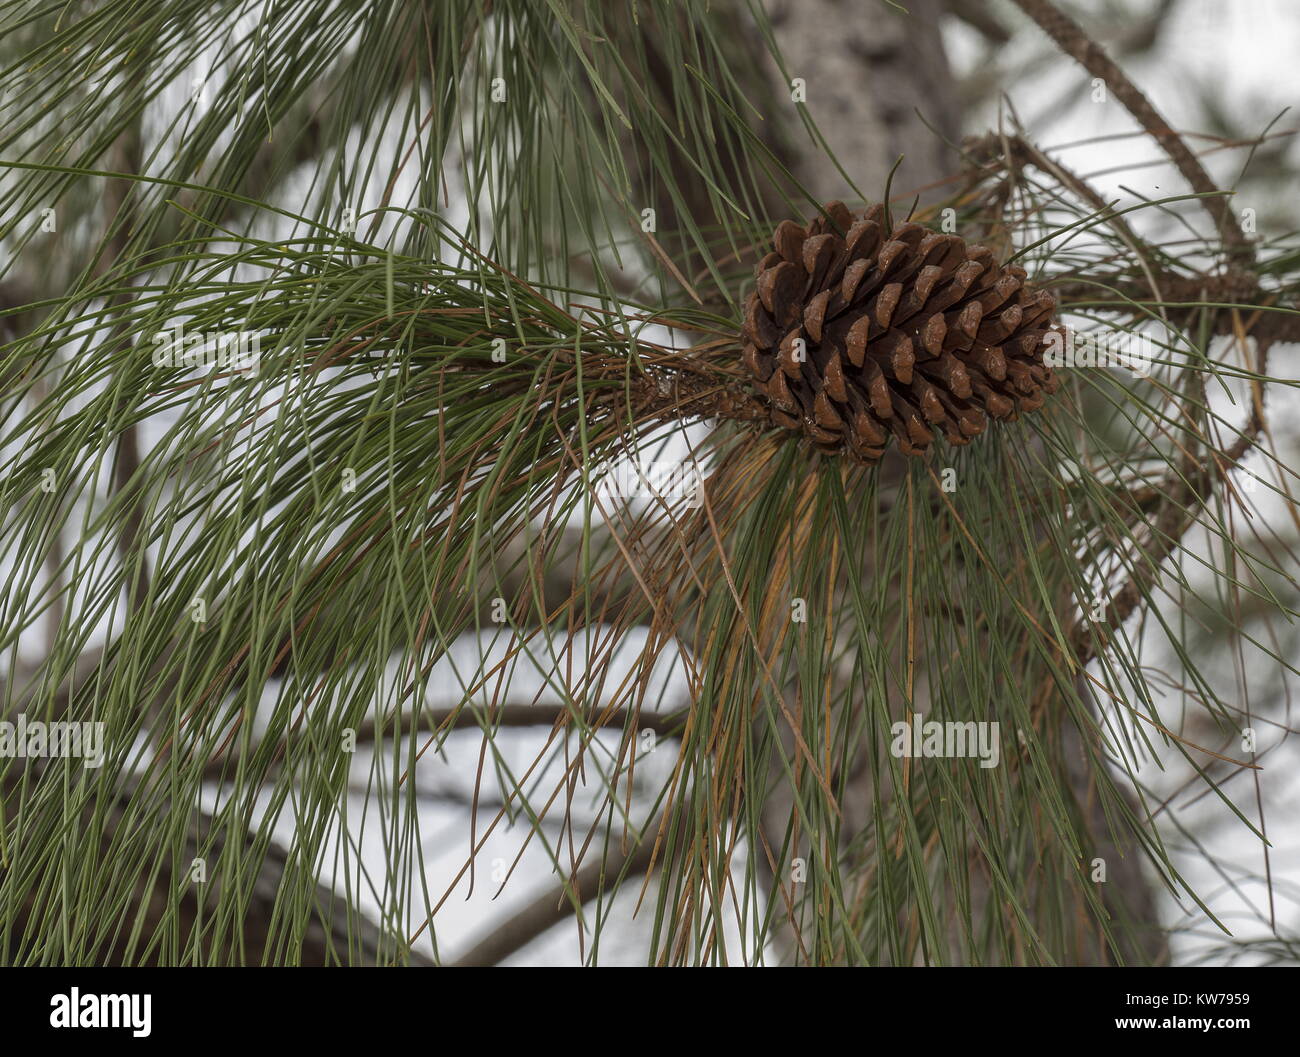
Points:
(1071, 38)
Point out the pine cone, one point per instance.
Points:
(902, 333)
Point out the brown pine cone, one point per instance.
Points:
(902, 333)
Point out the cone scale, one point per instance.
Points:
(857, 335)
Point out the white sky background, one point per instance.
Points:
(1242, 55)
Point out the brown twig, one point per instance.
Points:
(1072, 40)
(1190, 293)
(1187, 490)
(518, 715)
(559, 903)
